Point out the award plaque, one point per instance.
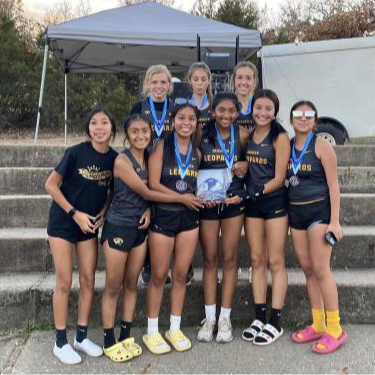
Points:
(213, 184)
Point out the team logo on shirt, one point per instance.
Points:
(118, 241)
(94, 173)
(181, 185)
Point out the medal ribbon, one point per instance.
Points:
(297, 162)
(228, 158)
(248, 110)
(204, 101)
(182, 168)
(159, 124)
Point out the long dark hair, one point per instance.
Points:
(168, 149)
(209, 129)
(93, 112)
(133, 118)
(276, 127)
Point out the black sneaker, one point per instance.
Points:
(146, 275)
(190, 275)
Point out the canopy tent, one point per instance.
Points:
(132, 38)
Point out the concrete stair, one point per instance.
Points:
(26, 267)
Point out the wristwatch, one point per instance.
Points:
(72, 212)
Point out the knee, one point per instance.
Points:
(210, 262)
(258, 262)
(87, 282)
(179, 277)
(321, 272)
(307, 269)
(158, 278)
(63, 284)
(131, 285)
(229, 261)
(276, 264)
(112, 288)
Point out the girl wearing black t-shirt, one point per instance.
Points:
(79, 187)
(173, 167)
(124, 236)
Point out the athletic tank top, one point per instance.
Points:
(262, 162)
(170, 176)
(246, 121)
(205, 116)
(167, 128)
(127, 206)
(312, 178)
(213, 157)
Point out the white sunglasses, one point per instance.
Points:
(300, 114)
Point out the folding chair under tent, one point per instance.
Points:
(132, 38)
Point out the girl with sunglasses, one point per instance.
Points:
(314, 207)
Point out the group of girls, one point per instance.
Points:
(276, 183)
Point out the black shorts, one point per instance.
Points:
(68, 230)
(222, 211)
(171, 223)
(267, 207)
(304, 216)
(122, 237)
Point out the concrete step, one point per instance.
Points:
(29, 180)
(31, 211)
(48, 156)
(28, 299)
(27, 250)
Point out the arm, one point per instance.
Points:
(325, 152)
(282, 150)
(240, 168)
(52, 187)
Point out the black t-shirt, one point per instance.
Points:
(87, 175)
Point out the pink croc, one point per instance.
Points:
(328, 344)
(306, 334)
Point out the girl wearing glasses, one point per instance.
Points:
(222, 146)
(314, 207)
(173, 169)
(124, 236)
(244, 83)
(266, 220)
(199, 78)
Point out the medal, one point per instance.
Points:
(294, 180)
(181, 185)
(182, 167)
(297, 162)
(229, 159)
(158, 124)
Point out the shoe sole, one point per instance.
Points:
(268, 342)
(247, 339)
(222, 341)
(66, 363)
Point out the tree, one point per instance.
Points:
(239, 12)
(205, 8)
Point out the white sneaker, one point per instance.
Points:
(88, 347)
(67, 355)
(206, 333)
(224, 333)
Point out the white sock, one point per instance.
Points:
(152, 325)
(224, 313)
(175, 322)
(210, 311)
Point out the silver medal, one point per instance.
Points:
(294, 180)
(181, 185)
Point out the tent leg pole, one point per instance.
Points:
(41, 91)
(66, 110)
(237, 48)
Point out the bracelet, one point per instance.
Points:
(72, 212)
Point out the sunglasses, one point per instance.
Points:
(300, 114)
(181, 101)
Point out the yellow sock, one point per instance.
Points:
(319, 320)
(333, 324)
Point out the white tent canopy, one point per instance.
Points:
(132, 38)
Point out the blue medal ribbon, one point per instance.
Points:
(248, 110)
(204, 101)
(182, 167)
(229, 159)
(158, 124)
(297, 162)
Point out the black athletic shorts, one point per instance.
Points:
(171, 223)
(222, 211)
(305, 216)
(67, 229)
(267, 207)
(121, 237)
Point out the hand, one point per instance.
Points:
(211, 204)
(236, 199)
(192, 202)
(256, 192)
(144, 221)
(84, 221)
(240, 168)
(336, 229)
(99, 219)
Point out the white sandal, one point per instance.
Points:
(268, 333)
(253, 331)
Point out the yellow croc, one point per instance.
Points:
(178, 340)
(156, 344)
(117, 353)
(131, 346)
